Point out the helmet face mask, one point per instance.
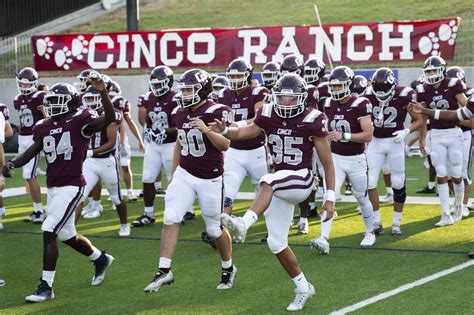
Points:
(289, 96)
(237, 80)
(341, 82)
(61, 98)
(161, 80)
(27, 81)
(434, 69)
(189, 95)
(311, 75)
(92, 99)
(219, 83)
(313, 71)
(269, 78)
(194, 86)
(159, 87)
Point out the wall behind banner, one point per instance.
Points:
(134, 86)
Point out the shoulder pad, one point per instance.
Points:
(405, 91)
(452, 82)
(369, 91)
(175, 110)
(213, 108)
(17, 97)
(146, 97)
(359, 101)
(312, 115)
(327, 102)
(221, 93)
(420, 88)
(256, 90)
(267, 110)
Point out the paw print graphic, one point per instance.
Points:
(79, 47)
(44, 47)
(62, 58)
(430, 44)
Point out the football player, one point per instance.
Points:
(293, 130)
(390, 101)
(6, 132)
(2, 179)
(29, 104)
(197, 171)
(64, 138)
(351, 128)
(446, 138)
(270, 74)
(218, 83)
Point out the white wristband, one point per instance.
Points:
(241, 123)
(330, 195)
(436, 114)
(347, 136)
(90, 153)
(225, 131)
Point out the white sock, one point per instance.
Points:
(312, 206)
(38, 207)
(124, 225)
(226, 264)
(326, 226)
(90, 200)
(95, 254)
(48, 276)
(397, 218)
(157, 185)
(389, 191)
(443, 191)
(458, 193)
(164, 262)
(95, 203)
(376, 216)
(303, 220)
(464, 207)
(431, 185)
(129, 192)
(250, 218)
(149, 211)
(301, 283)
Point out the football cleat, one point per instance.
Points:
(303, 228)
(300, 299)
(236, 225)
(2, 282)
(264, 239)
(124, 231)
(140, 194)
(208, 240)
(378, 228)
(160, 191)
(426, 190)
(457, 213)
(320, 244)
(368, 240)
(2, 213)
(188, 216)
(348, 191)
(95, 213)
(87, 209)
(43, 293)
(227, 278)
(387, 199)
(160, 279)
(131, 198)
(395, 230)
(35, 215)
(143, 220)
(445, 221)
(465, 212)
(470, 255)
(101, 264)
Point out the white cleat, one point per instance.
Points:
(369, 239)
(158, 280)
(92, 214)
(303, 228)
(300, 299)
(227, 279)
(124, 231)
(101, 267)
(359, 210)
(236, 225)
(465, 212)
(457, 215)
(396, 230)
(387, 199)
(87, 209)
(445, 221)
(2, 213)
(131, 198)
(320, 244)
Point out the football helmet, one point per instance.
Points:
(344, 77)
(92, 98)
(314, 71)
(456, 72)
(27, 81)
(218, 84)
(61, 98)
(239, 72)
(434, 63)
(360, 85)
(289, 95)
(383, 84)
(161, 80)
(292, 64)
(270, 74)
(82, 77)
(114, 89)
(200, 84)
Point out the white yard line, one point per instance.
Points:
(403, 288)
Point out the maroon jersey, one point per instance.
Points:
(290, 141)
(389, 117)
(323, 91)
(444, 98)
(467, 112)
(121, 103)
(243, 107)
(346, 118)
(140, 101)
(469, 93)
(159, 111)
(65, 147)
(27, 107)
(313, 97)
(5, 111)
(199, 157)
(99, 138)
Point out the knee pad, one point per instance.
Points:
(455, 157)
(276, 246)
(386, 169)
(400, 194)
(148, 178)
(373, 180)
(116, 199)
(398, 180)
(359, 194)
(214, 231)
(228, 202)
(170, 217)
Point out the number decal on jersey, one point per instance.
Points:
(340, 126)
(283, 150)
(159, 120)
(229, 117)
(97, 138)
(191, 143)
(380, 122)
(26, 118)
(243, 113)
(51, 151)
(441, 104)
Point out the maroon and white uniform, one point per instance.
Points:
(200, 169)
(464, 113)
(246, 156)
(27, 107)
(5, 111)
(125, 152)
(323, 92)
(290, 142)
(159, 145)
(388, 117)
(65, 148)
(313, 97)
(446, 138)
(104, 167)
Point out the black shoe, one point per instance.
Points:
(43, 293)
(348, 191)
(188, 216)
(313, 213)
(143, 220)
(160, 191)
(378, 229)
(101, 264)
(140, 194)
(426, 190)
(471, 255)
(208, 240)
(264, 239)
(227, 278)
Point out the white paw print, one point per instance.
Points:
(79, 47)
(430, 44)
(62, 58)
(44, 47)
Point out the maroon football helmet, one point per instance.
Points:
(292, 64)
(270, 74)
(343, 77)
(314, 70)
(61, 98)
(218, 84)
(114, 89)
(82, 77)
(289, 95)
(383, 84)
(456, 72)
(92, 98)
(360, 85)
(161, 80)
(239, 72)
(27, 81)
(201, 84)
(434, 63)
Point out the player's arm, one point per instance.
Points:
(438, 114)
(8, 130)
(360, 137)
(42, 110)
(23, 158)
(134, 129)
(220, 142)
(2, 140)
(324, 153)
(100, 123)
(234, 133)
(142, 115)
(461, 99)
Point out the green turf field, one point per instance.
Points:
(348, 275)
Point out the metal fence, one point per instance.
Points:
(16, 53)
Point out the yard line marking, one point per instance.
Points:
(403, 288)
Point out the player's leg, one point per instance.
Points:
(126, 170)
(467, 153)
(455, 159)
(376, 156)
(396, 158)
(430, 188)
(29, 174)
(387, 180)
(91, 173)
(94, 205)
(234, 174)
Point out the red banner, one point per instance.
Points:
(345, 43)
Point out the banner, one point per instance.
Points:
(346, 44)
